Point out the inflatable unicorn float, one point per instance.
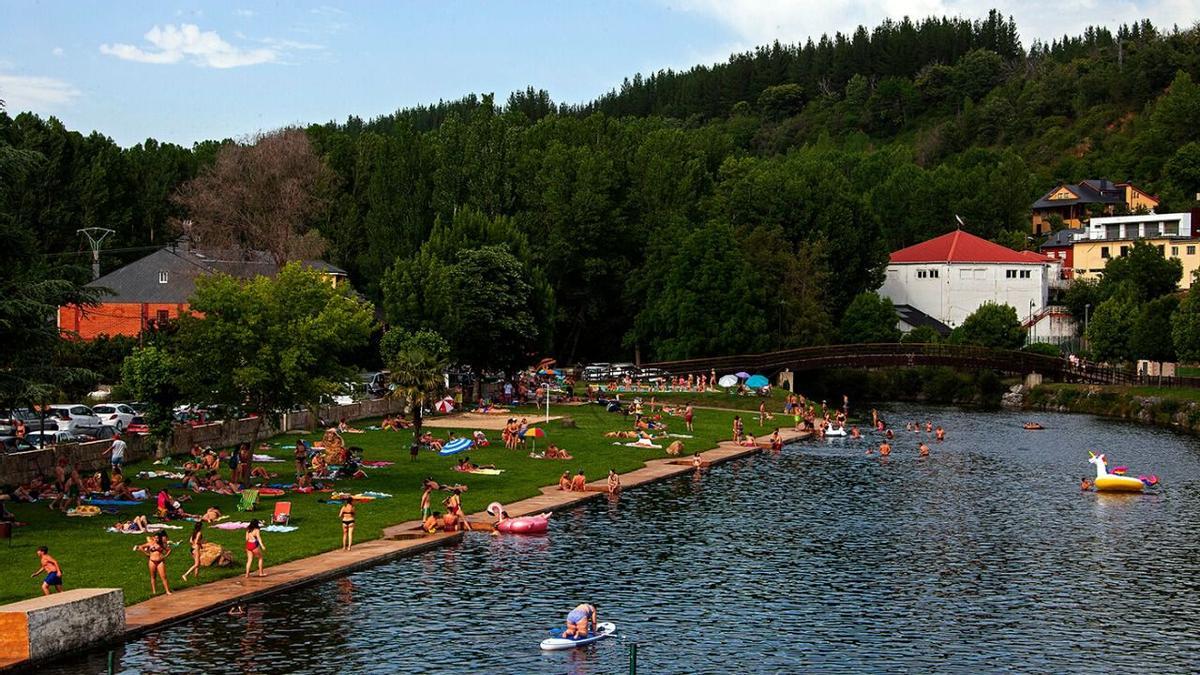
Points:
(1117, 481)
(524, 525)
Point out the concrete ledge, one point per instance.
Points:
(53, 625)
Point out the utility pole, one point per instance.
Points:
(95, 235)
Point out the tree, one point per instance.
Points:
(1144, 270)
(417, 362)
(869, 318)
(151, 374)
(268, 345)
(1081, 298)
(991, 325)
(780, 101)
(1185, 329)
(488, 316)
(260, 197)
(1154, 321)
(1110, 327)
(921, 335)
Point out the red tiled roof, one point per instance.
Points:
(960, 247)
(1034, 256)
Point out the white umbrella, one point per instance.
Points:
(445, 405)
(728, 381)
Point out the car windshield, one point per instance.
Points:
(102, 409)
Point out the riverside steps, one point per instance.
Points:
(400, 540)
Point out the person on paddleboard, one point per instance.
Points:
(580, 620)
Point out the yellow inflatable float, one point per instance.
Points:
(1111, 482)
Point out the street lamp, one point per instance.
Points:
(1031, 324)
(1086, 309)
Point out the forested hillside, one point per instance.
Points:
(727, 208)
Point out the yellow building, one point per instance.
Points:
(1074, 204)
(1107, 238)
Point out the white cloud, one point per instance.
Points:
(762, 21)
(173, 44)
(57, 51)
(26, 92)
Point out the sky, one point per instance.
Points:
(190, 71)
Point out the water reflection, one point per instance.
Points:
(984, 556)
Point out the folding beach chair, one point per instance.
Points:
(283, 513)
(248, 501)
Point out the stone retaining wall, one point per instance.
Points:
(54, 625)
(20, 467)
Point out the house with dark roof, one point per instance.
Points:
(158, 287)
(948, 277)
(1060, 246)
(1075, 204)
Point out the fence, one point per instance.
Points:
(20, 467)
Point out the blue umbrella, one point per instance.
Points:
(456, 445)
(757, 382)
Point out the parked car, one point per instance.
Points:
(100, 433)
(75, 416)
(12, 444)
(652, 375)
(41, 439)
(619, 370)
(138, 425)
(34, 421)
(595, 372)
(114, 414)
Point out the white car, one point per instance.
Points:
(74, 416)
(114, 415)
(39, 439)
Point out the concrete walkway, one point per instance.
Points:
(403, 539)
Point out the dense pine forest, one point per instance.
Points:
(727, 208)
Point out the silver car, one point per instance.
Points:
(74, 416)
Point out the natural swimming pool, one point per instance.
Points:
(983, 557)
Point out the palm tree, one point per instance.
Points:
(417, 374)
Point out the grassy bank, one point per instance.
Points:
(1164, 406)
(92, 557)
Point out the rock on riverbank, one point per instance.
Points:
(1165, 410)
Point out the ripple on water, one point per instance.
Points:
(982, 557)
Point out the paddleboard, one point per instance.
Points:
(557, 643)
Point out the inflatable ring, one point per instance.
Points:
(86, 510)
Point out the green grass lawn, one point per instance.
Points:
(92, 557)
(1169, 393)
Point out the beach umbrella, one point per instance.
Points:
(757, 382)
(534, 433)
(456, 445)
(445, 405)
(741, 374)
(728, 381)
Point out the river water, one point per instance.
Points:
(983, 557)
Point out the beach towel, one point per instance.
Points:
(152, 527)
(233, 525)
(487, 472)
(266, 458)
(642, 445)
(280, 528)
(679, 435)
(375, 464)
(377, 495)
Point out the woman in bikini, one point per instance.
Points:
(254, 548)
(346, 515)
(196, 541)
(157, 550)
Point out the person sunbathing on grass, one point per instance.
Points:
(259, 472)
(564, 481)
(212, 515)
(137, 525)
(553, 452)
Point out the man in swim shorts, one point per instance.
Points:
(579, 621)
(52, 569)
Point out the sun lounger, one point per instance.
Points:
(283, 513)
(248, 501)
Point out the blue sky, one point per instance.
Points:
(188, 71)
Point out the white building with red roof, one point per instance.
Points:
(949, 277)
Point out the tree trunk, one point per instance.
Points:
(417, 405)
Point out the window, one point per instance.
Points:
(1024, 274)
(1124, 251)
(1010, 274)
(965, 274)
(934, 274)
(1175, 251)
(1104, 252)
(920, 274)
(1191, 250)
(162, 276)
(1161, 249)
(163, 316)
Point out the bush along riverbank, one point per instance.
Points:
(1162, 406)
(926, 384)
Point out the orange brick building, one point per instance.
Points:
(158, 286)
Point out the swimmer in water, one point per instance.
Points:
(884, 449)
(923, 449)
(1084, 484)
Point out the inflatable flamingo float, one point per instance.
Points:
(1114, 482)
(524, 525)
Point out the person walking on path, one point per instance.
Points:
(196, 541)
(254, 547)
(53, 578)
(346, 515)
(688, 413)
